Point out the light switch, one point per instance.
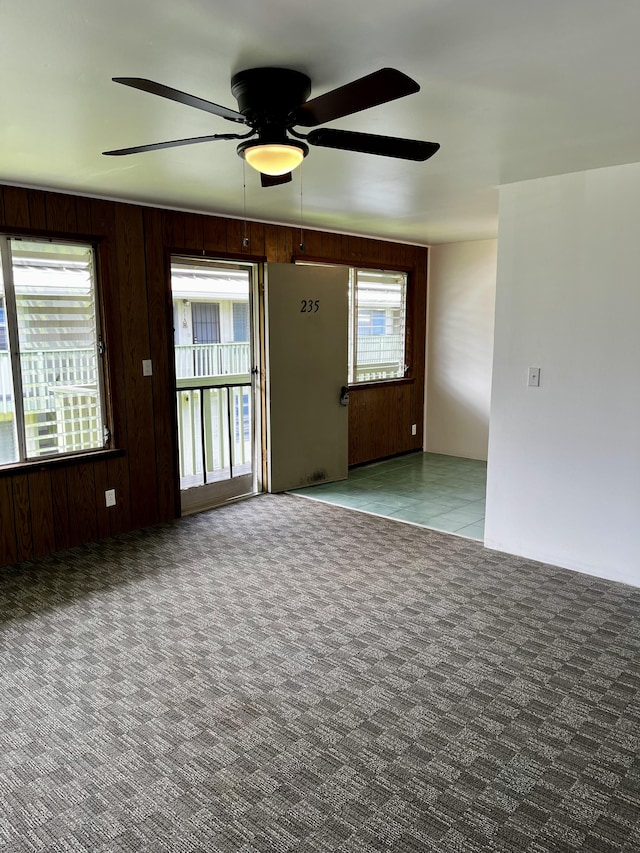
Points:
(534, 377)
(147, 367)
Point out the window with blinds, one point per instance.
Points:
(377, 325)
(51, 371)
(240, 321)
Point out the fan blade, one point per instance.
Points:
(371, 143)
(274, 180)
(370, 91)
(174, 143)
(180, 97)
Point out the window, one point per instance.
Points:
(371, 322)
(240, 321)
(377, 322)
(206, 322)
(51, 375)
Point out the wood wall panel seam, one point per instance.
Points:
(60, 213)
(22, 516)
(60, 508)
(8, 539)
(16, 208)
(42, 517)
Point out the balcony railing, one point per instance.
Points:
(379, 357)
(214, 431)
(78, 418)
(213, 360)
(61, 401)
(380, 349)
(214, 416)
(42, 372)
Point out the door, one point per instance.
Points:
(217, 406)
(307, 327)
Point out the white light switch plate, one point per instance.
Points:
(534, 377)
(147, 367)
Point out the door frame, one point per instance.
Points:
(210, 495)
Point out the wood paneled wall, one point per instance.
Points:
(53, 506)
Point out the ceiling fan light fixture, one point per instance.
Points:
(271, 158)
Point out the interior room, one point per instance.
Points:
(194, 656)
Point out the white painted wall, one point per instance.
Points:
(564, 459)
(462, 284)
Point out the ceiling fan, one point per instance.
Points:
(272, 102)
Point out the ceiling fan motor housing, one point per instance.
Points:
(269, 97)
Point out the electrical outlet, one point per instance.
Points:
(110, 497)
(414, 429)
(147, 367)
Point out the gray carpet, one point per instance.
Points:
(284, 675)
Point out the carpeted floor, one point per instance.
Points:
(285, 675)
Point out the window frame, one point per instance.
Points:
(26, 461)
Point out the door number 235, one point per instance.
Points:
(309, 306)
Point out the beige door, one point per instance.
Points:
(307, 328)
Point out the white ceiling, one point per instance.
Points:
(511, 89)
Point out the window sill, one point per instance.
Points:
(58, 462)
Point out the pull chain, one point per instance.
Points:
(301, 214)
(245, 239)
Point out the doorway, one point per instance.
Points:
(216, 345)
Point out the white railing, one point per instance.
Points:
(60, 384)
(212, 360)
(380, 349)
(214, 422)
(61, 401)
(78, 419)
(379, 357)
(42, 372)
(381, 373)
(214, 432)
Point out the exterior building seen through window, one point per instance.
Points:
(51, 372)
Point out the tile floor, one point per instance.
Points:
(441, 492)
